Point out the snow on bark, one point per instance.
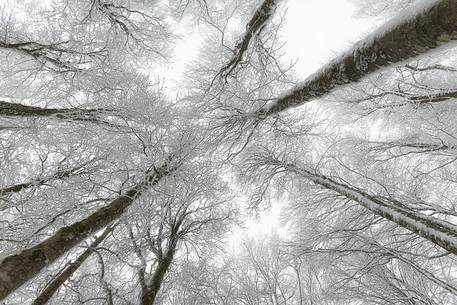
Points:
(16, 269)
(11, 109)
(254, 27)
(150, 293)
(441, 233)
(45, 54)
(164, 260)
(58, 175)
(423, 27)
(63, 276)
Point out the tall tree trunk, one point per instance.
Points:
(70, 114)
(50, 54)
(439, 232)
(58, 175)
(410, 99)
(149, 295)
(396, 254)
(150, 291)
(254, 26)
(16, 269)
(396, 41)
(17, 109)
(55, 284)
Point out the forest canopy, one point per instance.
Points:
(116, 189)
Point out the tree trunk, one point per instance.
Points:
(16, 269)
(55, 284)
(17, 109)
(149, 295)
(50, 54)
(396, 41)
(72, 114)
(255, 25)
(60, 174)
(394, 253)
(410, 99)
(439, 232)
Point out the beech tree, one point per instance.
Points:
(115, 192)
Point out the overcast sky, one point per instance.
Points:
(315, 32)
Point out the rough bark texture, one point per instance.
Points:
(55, 284)
(255, 25)
(60, 174)
(407, 39)
(439, 232)
(433, 98)
(149, 292)
(50, 54)
(75, 114)
(149, 295)
(16, 269)
(418, 100)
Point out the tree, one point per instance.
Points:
(77, 86)
(17, 269)
(52, 287)
(259, 272)
(424, 31)
(440, 232)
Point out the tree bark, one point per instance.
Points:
(149, 295)
(55, 284)
(439, 232)
(397, 41)
(394, 253)
(50, 54)
(410, 99)
(16, 269)
(73, 114)
(255, 25)
(150, 291)
(60, 174)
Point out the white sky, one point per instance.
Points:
(316, 31)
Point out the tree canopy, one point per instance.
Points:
(116, 190)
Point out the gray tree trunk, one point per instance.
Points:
(71, 114)
(58, 175)
(16, 269)
(254, 26)
(149, 295)
(55, 284)
(42, 53)
(411, 37)
(150, 291)
(439, 232)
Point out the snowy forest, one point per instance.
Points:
(118, 188)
